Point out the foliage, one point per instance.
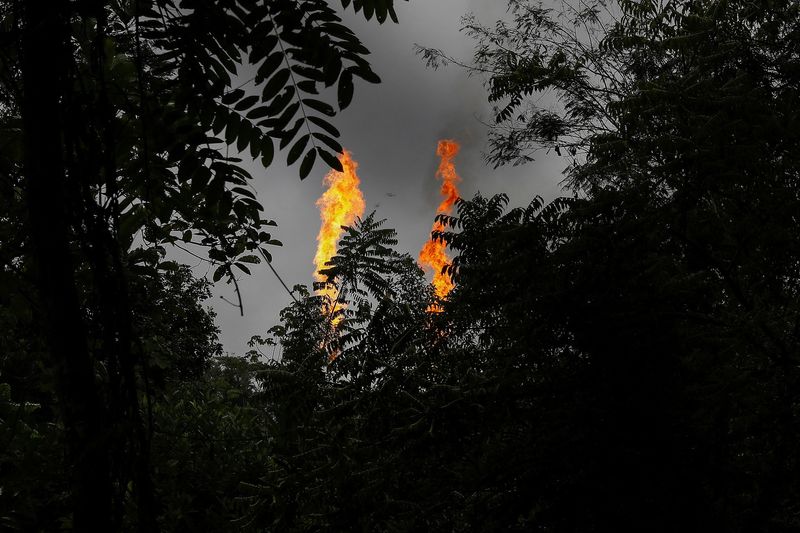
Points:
(624, 359)
(209, 438)
(116, 120)
(621, 360)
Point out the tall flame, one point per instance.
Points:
(433, 253)
(338, 206)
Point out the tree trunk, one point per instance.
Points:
(44, 51)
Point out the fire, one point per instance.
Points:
(433, 253)
(338, 206)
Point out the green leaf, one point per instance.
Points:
(254, 259)
(243, 268)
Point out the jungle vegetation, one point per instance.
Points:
(623, 358)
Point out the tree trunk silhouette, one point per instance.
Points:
(44, 44)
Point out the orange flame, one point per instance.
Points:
(338, 206)
(433, 255)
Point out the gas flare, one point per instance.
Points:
(433, 255)
(338, 206)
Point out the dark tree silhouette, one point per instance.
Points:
(110, 111)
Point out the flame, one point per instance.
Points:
(433, 255)
(338, 206)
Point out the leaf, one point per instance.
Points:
(243, 136)
(366, 74)
(254, 259)
(331, 142)
(246, 103)
(297, 149)
(279, 103)
(309, 72)
(219, 272)
(332, 69)
(220, 118)
(258, 112)
(308, 86)
(369, 9)
(269, 66)
(231, 128)
(217, 255)
(307, 164)
(380, 11)
(320, 106)
(243, 268)
(324, 125)
(345, 92)
(255, 144)
(286, 116)
(233, 96)
(331, 160)
(288, 135)
(275, 84)
(168, 266)
(267, 150)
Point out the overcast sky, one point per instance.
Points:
(392, 130)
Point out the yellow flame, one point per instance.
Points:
(338, 206)
(433, 255)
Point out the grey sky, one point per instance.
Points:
(392, 129)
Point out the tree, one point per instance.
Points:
(109, 113)
(669, 291)
(328, 411)
(621, 360)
